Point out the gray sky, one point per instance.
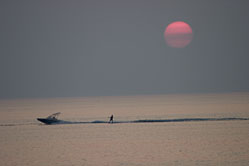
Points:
(116, 47)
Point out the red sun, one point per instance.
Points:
(178, 34)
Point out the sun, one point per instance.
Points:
(178, 34)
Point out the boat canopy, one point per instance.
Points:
(54, 116)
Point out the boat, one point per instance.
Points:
(51, 119)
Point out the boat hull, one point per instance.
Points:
(48, 121)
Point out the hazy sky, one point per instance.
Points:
(116, 47)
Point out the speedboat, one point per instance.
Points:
(51, 119)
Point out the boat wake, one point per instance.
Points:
(154, 120)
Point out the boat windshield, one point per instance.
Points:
(54, 116)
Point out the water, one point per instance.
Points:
(25, 141)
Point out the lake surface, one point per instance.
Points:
(26, 142)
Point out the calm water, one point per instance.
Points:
(26, 142)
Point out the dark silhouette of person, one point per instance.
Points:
(111, 119)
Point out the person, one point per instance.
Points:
(111, 119)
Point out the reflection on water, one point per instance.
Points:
(199, 132)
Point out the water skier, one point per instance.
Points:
(111, 119)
